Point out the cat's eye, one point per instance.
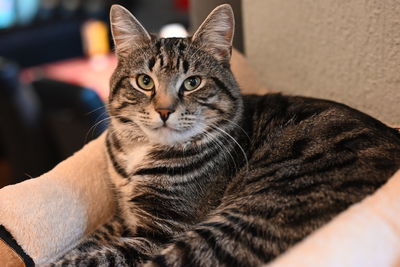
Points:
(145, 82)
(192, 83)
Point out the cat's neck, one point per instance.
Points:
(134, 153)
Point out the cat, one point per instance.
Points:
(205, 176)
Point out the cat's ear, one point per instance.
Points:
(126, 30)
(215, 34)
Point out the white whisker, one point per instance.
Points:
(224, 149)
(234, 140)
(237, 125)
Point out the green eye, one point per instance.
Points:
(145, 82)
(192, 83)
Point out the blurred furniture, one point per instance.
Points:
(40, 44)
(34, 32)
(44, 122)
(90, 73)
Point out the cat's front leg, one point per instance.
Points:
(103, 235)
(111, 244)
(125, 251)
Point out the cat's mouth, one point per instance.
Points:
(166, 127)
(169, 135)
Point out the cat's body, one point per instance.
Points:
(205, 177)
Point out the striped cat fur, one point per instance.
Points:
(203, 176)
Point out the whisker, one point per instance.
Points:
(224, 149)
(237, 125)
(93, 128)
(234, 140)
(105, 106)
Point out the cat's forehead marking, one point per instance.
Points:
(169, 56)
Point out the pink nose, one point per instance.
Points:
(164, 113)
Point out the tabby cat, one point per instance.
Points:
(204, 176)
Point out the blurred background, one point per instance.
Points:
(56, 59)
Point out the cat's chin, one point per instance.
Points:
(170, 136)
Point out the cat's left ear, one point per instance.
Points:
(215, 34)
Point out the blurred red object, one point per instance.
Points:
(182, 5)
(92, 73)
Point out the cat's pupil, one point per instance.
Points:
(146, 80)
(192, 81)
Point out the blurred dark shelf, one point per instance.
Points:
(42, 43)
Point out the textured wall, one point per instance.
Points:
(345, 50)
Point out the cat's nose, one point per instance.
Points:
(164, 113)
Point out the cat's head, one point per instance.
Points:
(173, 90)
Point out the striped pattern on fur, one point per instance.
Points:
(225, 180)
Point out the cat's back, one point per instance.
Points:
(303, 117)
(301, 144)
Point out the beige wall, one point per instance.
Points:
(345, 50)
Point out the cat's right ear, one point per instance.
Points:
(215, 34)
(127, 32)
